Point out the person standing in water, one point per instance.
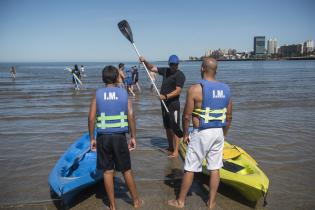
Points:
(121, 78)
(112, 109)
(13, 72)
(209, 105)
(135, 77)
(77, 72)
(128, 81)
(82, 71)
(172, 84)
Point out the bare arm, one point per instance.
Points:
(228, 118)
(91, 122)
(132, 126)
(131, 120)
(150, 66)
(189, 106)
(172, 94)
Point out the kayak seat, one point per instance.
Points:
(232, 167)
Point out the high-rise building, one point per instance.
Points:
(259, 45)
(308, 46)
(271, 46)
(292, 50)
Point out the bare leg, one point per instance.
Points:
(169, 134)
(109, 187)
(214, 184)
(186, 183)
(131, 91)
(132, 188)
(176, 145)
(138, 86)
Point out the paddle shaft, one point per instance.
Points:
(146, 69)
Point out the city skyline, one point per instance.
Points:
(71, 30)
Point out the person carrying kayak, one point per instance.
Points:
(172, 84)
(209, 105)
(114, 116)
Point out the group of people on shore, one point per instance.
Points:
(208, 106)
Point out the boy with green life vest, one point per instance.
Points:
(209, 105)
(112, 111)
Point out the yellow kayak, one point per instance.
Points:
(240, 171)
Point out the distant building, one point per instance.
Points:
(271, 46)
(292, 50)
(259, 45)
(232, 52)
(308, 46)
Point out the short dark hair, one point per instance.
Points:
(121, 65)
(110, 74)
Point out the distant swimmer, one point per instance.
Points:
(112, 113)
(13, 72)
(209, 105)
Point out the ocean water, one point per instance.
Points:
(41, 115)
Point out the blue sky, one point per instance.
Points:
(86, 30)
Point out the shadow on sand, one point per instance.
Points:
(200, 187)
(121, 192)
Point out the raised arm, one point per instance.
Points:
(150, 66)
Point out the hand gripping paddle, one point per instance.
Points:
(125, 29)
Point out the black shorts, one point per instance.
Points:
(174, 109)
(112, 152)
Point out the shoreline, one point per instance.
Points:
(259, 59)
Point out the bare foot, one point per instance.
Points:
(176, 203)
(173, 155)
(110, 207)
(210, 205)
(138, 203)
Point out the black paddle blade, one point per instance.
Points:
(125, 30)
(174, 126)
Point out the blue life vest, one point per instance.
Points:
(128, 78)
(112, 110)
(215, 100)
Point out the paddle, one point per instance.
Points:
(125, 29)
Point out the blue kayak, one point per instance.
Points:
(75, 170)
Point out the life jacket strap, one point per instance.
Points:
(206, 114)
(102, 121)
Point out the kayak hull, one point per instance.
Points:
(240, 171)
(75, 170)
